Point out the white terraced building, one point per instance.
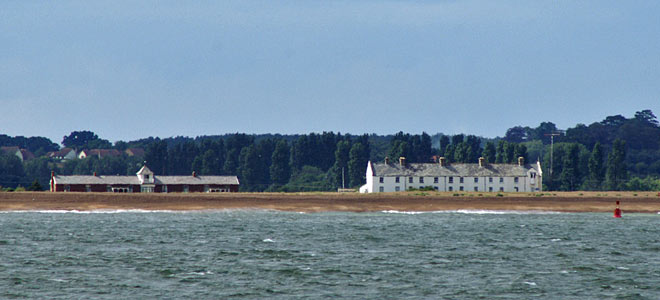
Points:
(480, 177)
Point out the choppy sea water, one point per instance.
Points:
(281, 255)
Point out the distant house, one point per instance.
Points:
(22, 154)
(137, 152)
(63, 154)
(99, 153)
(441, 176)
(144, 182)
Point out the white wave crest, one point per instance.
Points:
(474, 212)
(94, 211)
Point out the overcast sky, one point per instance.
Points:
(128, 70)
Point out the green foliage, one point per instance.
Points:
(35, 186)
(643, 184)
(489, 153)
(616, 167)
(85, 140)
(596, 168)
(280, 169)
(307, 179)
(357, 164)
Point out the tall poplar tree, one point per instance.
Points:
(596, 168)
(616, 166)
(570, 174)
(489, 152)
(357, 165)
(280, 169)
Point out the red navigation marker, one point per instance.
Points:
(617, 211)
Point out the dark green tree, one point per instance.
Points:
(248, 169)
(570, 175)
(616, 173)
(280, 169)
(500, 156)
(520, 150)
(357, 165)
(461, 153)
(596, 168)
(35, 186)
(156, 156)
(489, 152)
(340, 167)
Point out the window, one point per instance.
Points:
(396, 188)
(532, 175)
(501, 179)
(147, 189)
(410, 179)
(164, 189)
(435, 188)
(451, 179)
(146, 177)
(501, 189)
(476, 179)
(476, 189)
(490, 179)
(515, 179)
(421, 180)
(490, 189)
(381, 180)
(435, 179)
(461, 188)
(396, 179)
(515, 188)
(461, 180)
(186, 189)
(381, 189)
(108, 188)
(88, 188)
(67, 188)
(451, 188)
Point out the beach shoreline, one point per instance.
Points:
(631, 202)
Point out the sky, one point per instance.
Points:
(133, 69)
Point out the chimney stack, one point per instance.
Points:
(402, 161)
(443, 161)
(194, 174)
(95, 174)
(52, 174)
(521, 161)
(387, 160)
(481, 161)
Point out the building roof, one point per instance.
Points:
(134, 180)
(455, 169)
(139, 152)
(100, 153)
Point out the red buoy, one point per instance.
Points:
(617, 211)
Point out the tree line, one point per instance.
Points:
(617, 153)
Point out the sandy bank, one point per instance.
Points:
(645, 202)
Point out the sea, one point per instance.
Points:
(262, 254)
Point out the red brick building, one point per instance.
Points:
(144, 182)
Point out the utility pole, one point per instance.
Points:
(552, 143)
(342, 178)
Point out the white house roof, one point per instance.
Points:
(454, 169)
(144, 170)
